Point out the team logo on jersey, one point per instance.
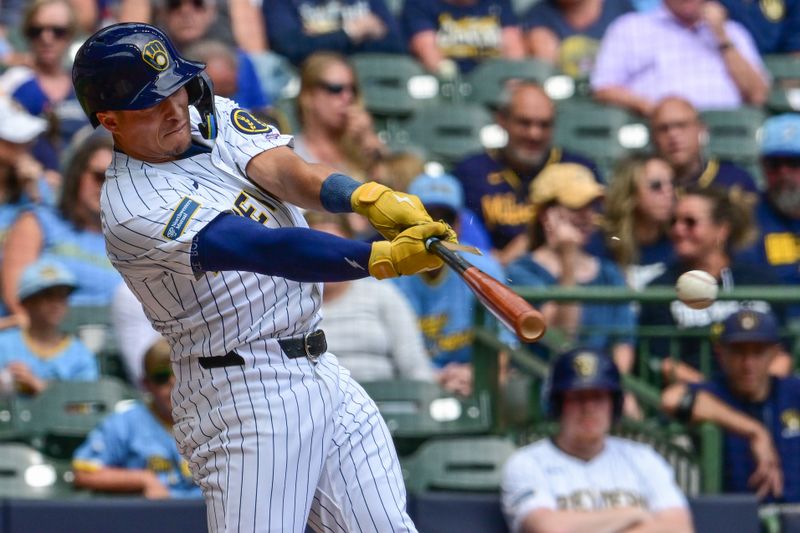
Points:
(245, 122)
(155, 55)
(585, 365)
(180, 218)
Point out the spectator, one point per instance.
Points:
(684, 48)
(133, 450)
(566, 201)
(190, 23)
(369, 324)
(757, 410)
(397, 170)
(679, 136)
(40, 352)
(443, 302)
(451, 36)
(336, 129)
(132, 330)
(778, 213)
(71, 233)
(567, 33)
(45, 88)
(638, 210)
(773, 25)
(497, 183)
(583, 479)
(299, 28)
(707, 229)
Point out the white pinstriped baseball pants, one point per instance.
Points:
(279, 442)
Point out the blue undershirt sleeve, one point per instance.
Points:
(231, 242)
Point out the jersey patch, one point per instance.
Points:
(180, 218)
(245, 122)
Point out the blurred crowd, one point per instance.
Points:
(543, 215)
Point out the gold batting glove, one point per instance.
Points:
(406, 254)
(390, 212)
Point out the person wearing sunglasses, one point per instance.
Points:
(638, 209)
(133, 451)
(336, 129)
(70, 232)
(40, 352)
(777, 248)
(708, 227)
(44, 88)
(679, 136)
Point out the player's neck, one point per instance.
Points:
(686, 174)
(583, 450)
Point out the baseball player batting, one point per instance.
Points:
(200, 215)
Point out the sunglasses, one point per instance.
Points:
(161, 377)
(774, 163)
(35, 32)
(338, 88)
(658, 185)
(98, 175)
(689, 222)
(175, 4)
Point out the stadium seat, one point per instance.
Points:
(67, 411)
(393, 85)
(457, 512)
(287, 111)
(26, 473)
(418, 410)
(486, 83)
(733, 133)
(725, 513)
(471, 464)
(784, 96)
(450, 131)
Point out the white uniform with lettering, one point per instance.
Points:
(275, 442)
(624, 474)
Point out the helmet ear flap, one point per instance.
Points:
(201, 95)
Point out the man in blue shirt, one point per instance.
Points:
(773, 24)
(760, 413)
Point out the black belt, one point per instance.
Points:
(311, 345)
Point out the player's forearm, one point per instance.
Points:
(622, 97)
(114, 480)
(423, 46)
(751, 85)
(601, 521)
(708, 408)
(286, 175)
(669, 521)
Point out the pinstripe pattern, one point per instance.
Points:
(276, 443)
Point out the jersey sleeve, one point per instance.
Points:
(660, 487)
(104, 447)
(242, 135)
(525, 488)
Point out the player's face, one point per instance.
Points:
(586, 414)
(676, 132)
(655, 196)
(49, 33)
(689, 11)
(694, 234)
(92, 180)
(783, 183)
(529, 123)
(48, 308)
(746, 367)
(156, 134)
(333, 97)
(159, 384)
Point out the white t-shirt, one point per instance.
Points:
(624, 474)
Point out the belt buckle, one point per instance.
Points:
(307, 349)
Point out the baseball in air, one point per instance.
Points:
(697, 289)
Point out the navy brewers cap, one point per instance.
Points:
(748, 325)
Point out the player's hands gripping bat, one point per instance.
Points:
(511, 309)
(406, 254)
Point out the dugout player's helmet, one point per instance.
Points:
(132, 66)
(581, 369)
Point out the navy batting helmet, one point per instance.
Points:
(581, 369)
(132, 66)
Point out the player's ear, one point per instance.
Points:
(108, 119)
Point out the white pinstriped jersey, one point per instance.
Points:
(624, 474)
(151, 213)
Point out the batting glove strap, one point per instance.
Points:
(406, 254)
(390, 212)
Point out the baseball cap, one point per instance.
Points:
(442, 190)
(42, 275)
(18, 126)
(748, 325)
(568, 184)
(780, 136)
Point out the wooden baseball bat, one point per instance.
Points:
(511, 309)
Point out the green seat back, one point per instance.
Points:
(450, 131)
(463, 464)
(384, 80)
(486, 83)
(26, 473)
(733, 133)
(784, 94)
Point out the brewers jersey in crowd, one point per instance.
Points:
(151, 214)
(135, 439)
(624, 474)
